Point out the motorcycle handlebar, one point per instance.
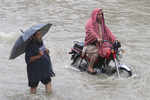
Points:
(106, 41)
(116, 43)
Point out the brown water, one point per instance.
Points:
(129, 21)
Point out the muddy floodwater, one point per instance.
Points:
(128, 20)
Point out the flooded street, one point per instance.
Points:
(128, 20)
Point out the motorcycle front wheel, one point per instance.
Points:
(123, 71)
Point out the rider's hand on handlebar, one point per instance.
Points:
(99, 40)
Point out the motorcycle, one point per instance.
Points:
(109, 65)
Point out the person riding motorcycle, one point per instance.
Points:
(96, 32)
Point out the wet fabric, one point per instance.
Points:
(90, 50)
(92, 33)
(34, 84)
(40, 68)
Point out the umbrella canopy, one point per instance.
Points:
(23, 40)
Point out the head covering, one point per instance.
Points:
(92, 29)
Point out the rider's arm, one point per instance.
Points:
(93, 33)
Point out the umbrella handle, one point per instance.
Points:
(21, 30)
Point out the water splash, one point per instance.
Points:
(8, 37)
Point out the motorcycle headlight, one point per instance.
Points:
(121, 52)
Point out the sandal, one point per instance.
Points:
(92, 73)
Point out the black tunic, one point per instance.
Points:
(41, 68)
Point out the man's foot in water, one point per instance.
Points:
(33, 90)
(48, 88)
